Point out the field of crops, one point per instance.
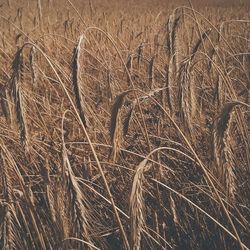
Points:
(124, 124)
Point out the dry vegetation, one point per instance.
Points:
(124, 125)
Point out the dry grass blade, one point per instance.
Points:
(151, 73)
(76, 81)
(129, 66)
(199, 42)
(109, 84)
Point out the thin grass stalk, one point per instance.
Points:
(151, 73)
(129, 66)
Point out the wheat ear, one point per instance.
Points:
(16, 89)
(116, 124)
(221, 148)
(76, 81)
(78, 209)
(136, 205)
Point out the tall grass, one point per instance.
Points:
(124, 125)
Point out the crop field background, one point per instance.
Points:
(124, 124)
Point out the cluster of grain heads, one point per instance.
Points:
(186, 90)
(222, 150)
(71, 191)
(77, 87)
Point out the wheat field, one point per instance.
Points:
(124, 124)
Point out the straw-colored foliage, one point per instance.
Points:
(124, 124)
